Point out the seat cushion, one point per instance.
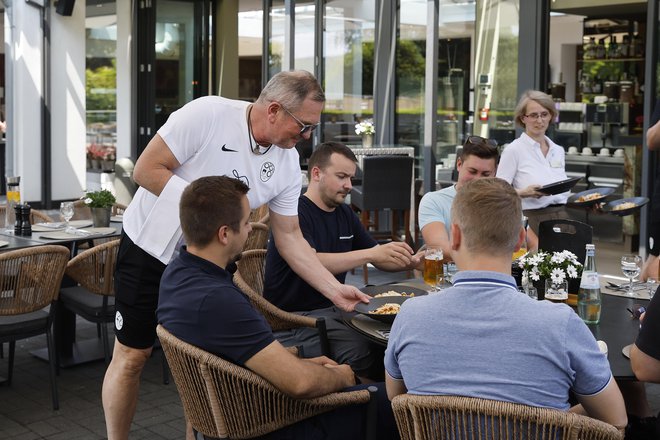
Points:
(87, 304)
(24, 325)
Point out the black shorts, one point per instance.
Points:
(137, 280)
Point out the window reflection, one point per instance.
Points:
(101, 86)
(348, 48)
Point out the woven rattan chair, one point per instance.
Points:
(260, 214)
(250, 279)
(463, 418)
(84, 212)
(93, 299)
(36, 216)
(223, 400)
(258, 236)
(29, 282)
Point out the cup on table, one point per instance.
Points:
(604, 152)
(433, 271)
(586, 151)
(618, 152)
(572, 150)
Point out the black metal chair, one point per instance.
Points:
(386, 185)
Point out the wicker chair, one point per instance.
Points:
(83, 212)
(250, 279)
(93, 269)
(223, 400)
(458, 418)
(36, 216)
(33, 284)
(258, 236)
(260, 214)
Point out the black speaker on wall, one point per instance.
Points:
(65, 7)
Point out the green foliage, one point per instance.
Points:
(99, 85)
(99, 199)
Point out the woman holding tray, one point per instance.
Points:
(533, 160)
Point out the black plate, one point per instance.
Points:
(638, 201)
(375, 290)
(604, 192)
(559, 187)
(366, 309)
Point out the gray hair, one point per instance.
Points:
(291, 88)
(542, 99)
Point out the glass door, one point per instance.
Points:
(173, 60)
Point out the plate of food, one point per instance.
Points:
(627, 206)
(382, 309)
(589, 197)
(393, 290)
(559, 187)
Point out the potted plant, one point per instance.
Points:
(109, 157)
(95, 155)
(557, 268)
(367, 130)
(100, 203)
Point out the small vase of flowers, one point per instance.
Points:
(100, 203)
(367, 130)
(558, 268)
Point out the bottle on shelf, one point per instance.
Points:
(613, 48)
(589, 301)
(590, 49)
(600, 49)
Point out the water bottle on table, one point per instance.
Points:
(589, 302)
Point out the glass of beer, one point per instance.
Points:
(433, 272)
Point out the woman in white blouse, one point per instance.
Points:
(533, 160)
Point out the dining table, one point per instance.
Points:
(617, 327)
(70, 351)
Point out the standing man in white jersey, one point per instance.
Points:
(210, 136)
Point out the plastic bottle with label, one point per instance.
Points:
(13, 199)
(589, 300)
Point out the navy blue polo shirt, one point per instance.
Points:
(199, 304)
(326, 232)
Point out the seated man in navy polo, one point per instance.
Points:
(482, 338)
(200, 304)
(334, 231)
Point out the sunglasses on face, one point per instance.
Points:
(304, 128)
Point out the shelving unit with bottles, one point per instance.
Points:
(611, 59)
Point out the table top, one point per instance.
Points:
(616, 328)
(19, 242)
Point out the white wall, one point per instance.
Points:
(125, 110)
(68, 104)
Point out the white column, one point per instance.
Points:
(125, 109)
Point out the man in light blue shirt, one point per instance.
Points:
(482, 338)
(477, 160)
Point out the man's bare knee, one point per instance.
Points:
(130, 360)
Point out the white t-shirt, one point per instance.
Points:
(522, 164)
(209, 137)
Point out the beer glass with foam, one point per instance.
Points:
(433, 272)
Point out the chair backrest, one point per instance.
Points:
(252, 269)
(258, 236)
(386, 182)
(36, 216)
(458, 418)
(84, 212)
(185, 360)
(94, 268)
(125, 186)
(565, 234)
(30, 278)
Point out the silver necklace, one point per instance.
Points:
(256, 149)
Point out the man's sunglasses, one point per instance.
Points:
(304, 128)
(476, 140)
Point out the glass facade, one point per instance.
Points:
(348, 68)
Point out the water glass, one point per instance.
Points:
(652, 284)
(631, 265)
(66, 212)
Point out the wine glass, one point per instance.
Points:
(652, 284)
(433, 272)
(631, 266)
(66, 212)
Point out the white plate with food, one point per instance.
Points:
(627, 206)
(589, 197)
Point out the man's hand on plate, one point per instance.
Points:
(347, 297)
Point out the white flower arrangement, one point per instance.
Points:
(365, 127)
(558, 266)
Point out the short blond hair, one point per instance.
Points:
(488, 212)
(542, 99)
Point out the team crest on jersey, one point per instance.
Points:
(267, 171)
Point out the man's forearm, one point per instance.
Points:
(344, 261)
